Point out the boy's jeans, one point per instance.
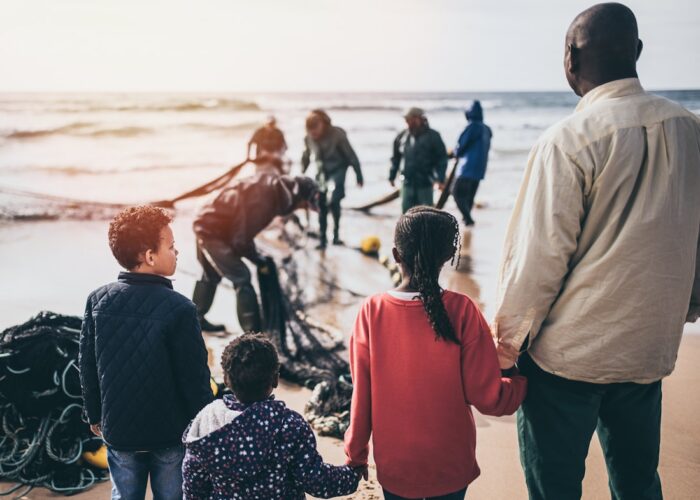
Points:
(130, 471)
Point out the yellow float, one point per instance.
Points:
(97, 458)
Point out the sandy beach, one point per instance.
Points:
(54, 265)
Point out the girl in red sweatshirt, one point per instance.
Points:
(420, 358)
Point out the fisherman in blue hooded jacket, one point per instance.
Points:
(472, 153)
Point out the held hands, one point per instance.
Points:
(363, 471)
(507, 354)
(96, 429)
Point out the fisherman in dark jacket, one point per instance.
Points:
(424, 158)
(270, 147)
(143, 364)
(226, 229)
(472, 153)
(328, 147)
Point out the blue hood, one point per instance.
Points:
(474, 113)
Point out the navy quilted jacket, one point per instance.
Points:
(262, 451)
(143, 364)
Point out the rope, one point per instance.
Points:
(44, 436)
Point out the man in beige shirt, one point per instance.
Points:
(600, 267)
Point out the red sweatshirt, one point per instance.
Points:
(413, 393)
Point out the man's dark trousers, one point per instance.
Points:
(219, 260)
(464, 192)
(556, 423)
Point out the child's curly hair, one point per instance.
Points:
(135, 230)
(251, 366)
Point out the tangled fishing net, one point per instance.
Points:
(43, 434)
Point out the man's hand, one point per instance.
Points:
(507, 355)
(393, 184)
(360, 184)
(440, 185)
(96, 429)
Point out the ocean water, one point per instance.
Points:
(134, 148)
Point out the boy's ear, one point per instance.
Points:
(148, 257)
(275, 380)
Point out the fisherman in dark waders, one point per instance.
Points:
(328, 147)
(472, 153)
(226, 228)
(424, 157)
(270, 147)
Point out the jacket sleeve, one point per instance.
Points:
(396, 157)
(89, 380)
(350, 156)
(440, 152)
(196, 484)
(305, 156)
(315, 477)
(541, 238)
(358, 433)
(484, 388)
(694, 308)
(464, 141)
(189, 357)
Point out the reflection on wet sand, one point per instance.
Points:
(462, 278)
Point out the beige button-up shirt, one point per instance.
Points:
(600, 265)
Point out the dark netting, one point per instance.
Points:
(307, 350)
(43, 433)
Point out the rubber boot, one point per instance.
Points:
(335, 212)
(203, 297)
(247, 308)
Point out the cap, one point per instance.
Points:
(414, 113)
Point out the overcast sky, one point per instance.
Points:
(320, 45)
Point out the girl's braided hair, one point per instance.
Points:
(425, 239)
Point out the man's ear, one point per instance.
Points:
(640, 46)
(571, 58)
(396, 255)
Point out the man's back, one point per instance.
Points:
(617, 199)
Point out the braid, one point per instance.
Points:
(426, 238)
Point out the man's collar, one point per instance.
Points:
(611, 90)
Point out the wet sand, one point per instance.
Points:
(54, 265)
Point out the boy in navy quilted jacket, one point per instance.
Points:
(143, 363)
(251, 446)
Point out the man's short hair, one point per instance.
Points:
(135, 230)
(250, 365)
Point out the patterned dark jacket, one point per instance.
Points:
(143, 364)
(262, 451)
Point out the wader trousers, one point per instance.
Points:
(218, 261)
(464, 192)
(412, 196)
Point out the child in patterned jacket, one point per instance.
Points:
(251, 446)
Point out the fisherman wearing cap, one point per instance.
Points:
(424, 158)
(328, 147)
(226, 229)
(472, 153)
(270, 147)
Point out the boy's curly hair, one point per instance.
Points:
(135, 230)
(250, 365)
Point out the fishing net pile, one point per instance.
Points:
(307, 349)
(43, 435)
